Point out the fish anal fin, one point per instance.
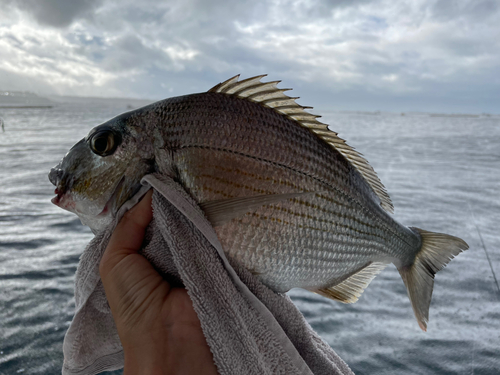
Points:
(349, 290)
(219, 212)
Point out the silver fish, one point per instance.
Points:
(288, 198)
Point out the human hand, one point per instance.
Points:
(158, 327)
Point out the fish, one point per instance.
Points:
(289, 199)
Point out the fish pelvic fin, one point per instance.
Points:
(349, 290)
(436, 251)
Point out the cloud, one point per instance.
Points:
(445, 10)
(419, 50)
(57, 13)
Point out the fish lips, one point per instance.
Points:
(62, 199)
(66, 201)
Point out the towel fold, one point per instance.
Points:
(250, 329)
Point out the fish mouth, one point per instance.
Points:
(56, 200)
(64, 200)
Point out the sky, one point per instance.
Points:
(405, 55)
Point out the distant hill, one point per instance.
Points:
(26, 99)
(129, 103)
(23, 99)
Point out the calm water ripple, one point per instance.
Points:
(443, 174)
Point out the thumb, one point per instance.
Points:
(127, 236)
(128, 277)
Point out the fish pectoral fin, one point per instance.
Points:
(349, 290)
(221, 211)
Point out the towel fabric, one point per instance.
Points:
(250, 329)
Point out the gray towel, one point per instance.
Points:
(250, 329)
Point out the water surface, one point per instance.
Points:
(443, 174)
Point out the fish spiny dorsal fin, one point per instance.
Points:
(267, 94)
(221, 87)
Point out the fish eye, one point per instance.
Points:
(104, 142)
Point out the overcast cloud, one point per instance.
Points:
(429, 55)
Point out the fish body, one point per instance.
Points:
(288, 199)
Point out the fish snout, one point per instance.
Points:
(55, 176)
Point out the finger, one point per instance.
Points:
(128, 235)
(131, 283)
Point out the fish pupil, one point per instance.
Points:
(101, 144)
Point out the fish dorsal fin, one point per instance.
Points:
(267, 94)
(349, 290)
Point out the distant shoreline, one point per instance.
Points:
(455, 115)
(25, 106)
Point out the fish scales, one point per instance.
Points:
(288, 199)
(287, 158)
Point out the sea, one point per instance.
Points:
(441, 170)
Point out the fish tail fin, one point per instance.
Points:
(436, 251)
